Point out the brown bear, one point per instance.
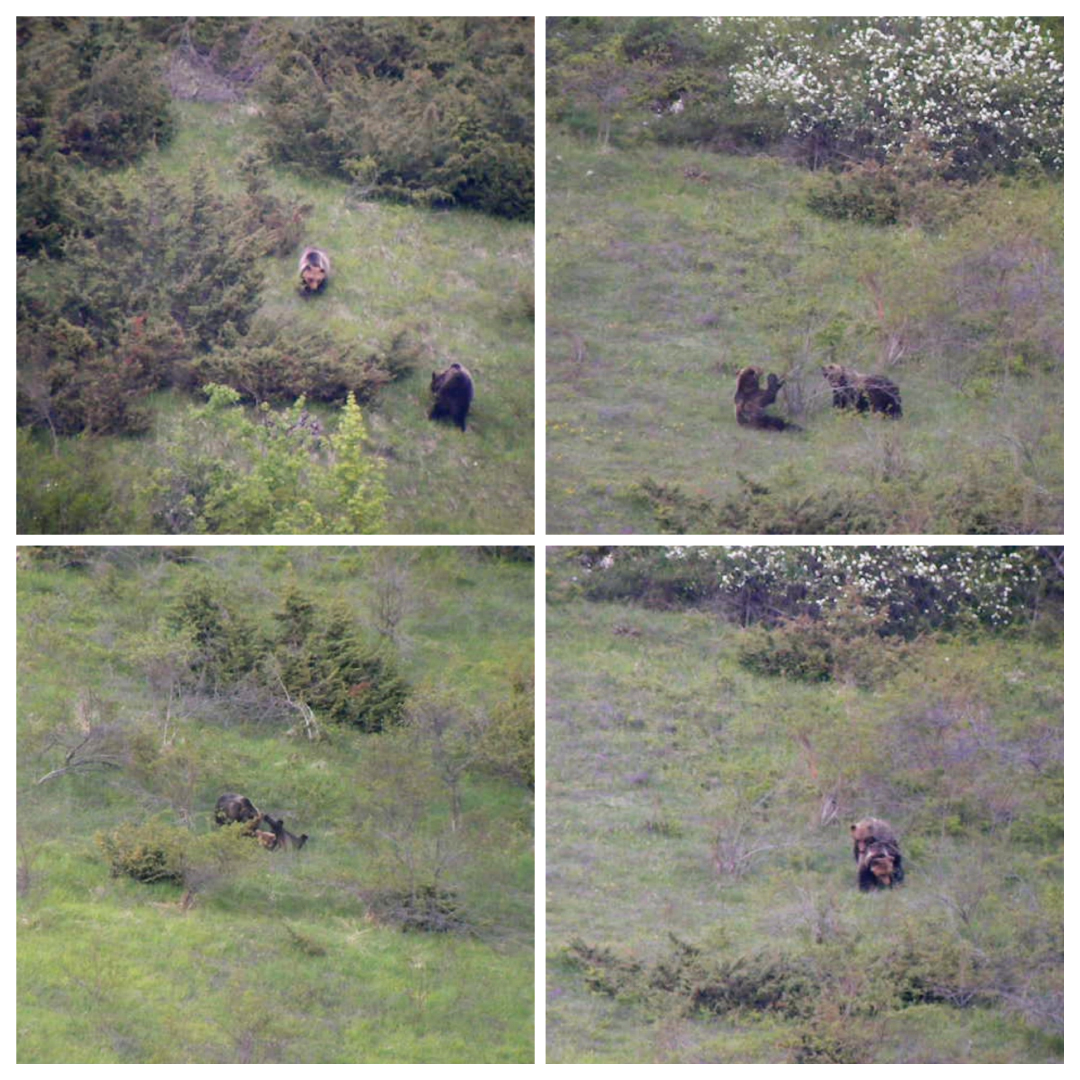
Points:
(240, 808)
(453, 390)
(879, 867)
(863, 392)
(751, 401)
(314, 271)
(877, 853)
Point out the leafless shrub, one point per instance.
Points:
(390, 600)
(735, 846)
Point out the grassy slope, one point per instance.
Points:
(655, 736)
(462, 283)
(660, 288)
(279, 961)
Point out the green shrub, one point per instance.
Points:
(847, 643)
(800, 648)
(508, 745)
(221, 470)
(910, 188)
(149, 853)
(322, 660)
(436, 116)
(67, 491)
(159, 272)
(87, 87)
(280, 362)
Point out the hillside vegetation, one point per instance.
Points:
(699, 223)
(709, 742)
(164, 265)
(358, 695)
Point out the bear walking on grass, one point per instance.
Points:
(877, 854)
(314, 270)
(863, 392)
(453, 390)
(751, 400)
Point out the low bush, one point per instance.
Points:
(149, 853)
(280, 362)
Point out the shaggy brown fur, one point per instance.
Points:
(751, 400)
(453, 390)
(879, 867)
(231, 808)
(873, 393)
(314, 270)
(877, 854)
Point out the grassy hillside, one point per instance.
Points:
(702, 902)
(273, 956)
(670, 269)
(459, 283)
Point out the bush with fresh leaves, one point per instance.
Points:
(223, 470)
(912, 188)
(149, 853)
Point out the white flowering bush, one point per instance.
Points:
(897, 591)
(988, 91)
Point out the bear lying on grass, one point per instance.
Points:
(863, 392)
(877, 854)
(453, 390)
(751, 400)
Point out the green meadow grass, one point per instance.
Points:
(661, 288)
(281, 959)
(461, 285)
(659, 743)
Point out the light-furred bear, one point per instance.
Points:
(314, 271)
(873, 393)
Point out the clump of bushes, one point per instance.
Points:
(848, 643)
(911, 188)
(280, 362)
(426, 909)
(87, 91)
(315, 654)
(149, 853)
(437, 113)
(154, 852)
(701, 983)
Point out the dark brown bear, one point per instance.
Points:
(453, 390)
(231, 808)
(877, 854)
(879, 867)
(863, 392)
(314, 271)
(751, 400)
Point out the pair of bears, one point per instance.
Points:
(877, 854)
(850, 388)
(452, 388)
(233, 808)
